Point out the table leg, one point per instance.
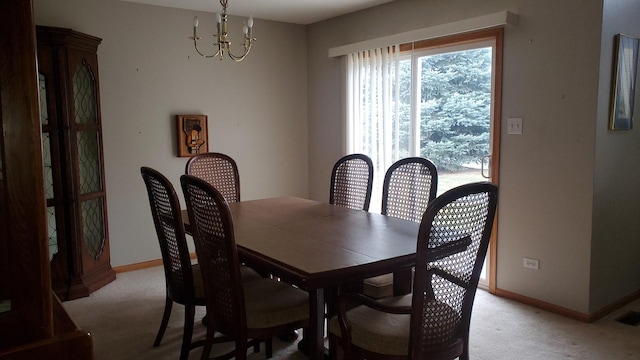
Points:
(402, 282)
(312, 343)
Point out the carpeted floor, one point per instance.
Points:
(123, 318)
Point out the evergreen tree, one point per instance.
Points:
(455, 107)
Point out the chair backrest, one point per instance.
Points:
(167, 218)
(452, 245)
(409, 185)
(219, 170)
(214, 239)
(351, 182)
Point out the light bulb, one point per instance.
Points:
(195, 21)
(218, 18)
(250, 22)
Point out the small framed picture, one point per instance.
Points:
(623, 87)
(192, 135)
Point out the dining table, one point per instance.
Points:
(321, 248)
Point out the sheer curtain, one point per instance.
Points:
(372, 113)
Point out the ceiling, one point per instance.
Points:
(302, 12)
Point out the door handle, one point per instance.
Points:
(482, 169)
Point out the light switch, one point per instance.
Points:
(514, 126)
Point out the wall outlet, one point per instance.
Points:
(531, 263)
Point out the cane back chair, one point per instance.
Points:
(351, 182)
(432, 322)
(410, 184)
(183, 280)
(247, 312)
(219, 170)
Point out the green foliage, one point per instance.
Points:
(455, 107)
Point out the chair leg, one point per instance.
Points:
(241, 350)
(208, 343)
(165, 320)
(189, 314)
(268, 348)
(465, 351)
(335, 351)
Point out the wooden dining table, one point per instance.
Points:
(320, 248)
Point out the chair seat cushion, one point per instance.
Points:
(378, 287)
(386, 333)
(248, 274)
(272, 303)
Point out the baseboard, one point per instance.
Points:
(587, 318)
(615, 305)
(143, 265)
(543, 305)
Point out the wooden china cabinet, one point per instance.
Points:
(76, 198)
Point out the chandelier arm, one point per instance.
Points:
(195, 45)
(241, 57)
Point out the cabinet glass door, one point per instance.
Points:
(48, 167)
(89, 160)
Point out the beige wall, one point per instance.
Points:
(149, 72)
(551, 64)
(615, 270)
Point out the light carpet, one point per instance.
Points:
(123, 318)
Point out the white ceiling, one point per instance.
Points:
(302, 12)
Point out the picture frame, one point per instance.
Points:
(192, 134)
(624, 80)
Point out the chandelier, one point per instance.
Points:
(223, 44)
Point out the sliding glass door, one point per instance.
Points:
(438, 99)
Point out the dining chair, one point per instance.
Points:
(410, 184)
(219, 170)
(351, 182)
(433, 321)
(183, 279)
(249, 312)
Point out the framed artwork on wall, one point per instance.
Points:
(624, 79)
(192, 135)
